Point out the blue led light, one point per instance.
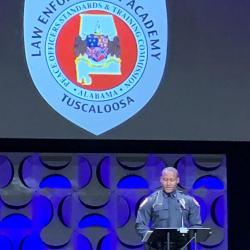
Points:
(209, 182)
(94, 220)
(55, 181)
(132, 181)
(15, 221)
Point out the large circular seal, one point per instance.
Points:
(96, 52)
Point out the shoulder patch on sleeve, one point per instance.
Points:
(143, 203)
(196, 202)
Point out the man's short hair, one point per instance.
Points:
(170, 169)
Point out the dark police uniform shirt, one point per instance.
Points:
(161, 209)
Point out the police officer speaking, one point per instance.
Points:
(168, 207)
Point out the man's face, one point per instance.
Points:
(169, 181)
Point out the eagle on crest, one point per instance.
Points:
(97, 48)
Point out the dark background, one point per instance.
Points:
(202, 105)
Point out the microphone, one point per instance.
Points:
(182, 203)
(182, 207)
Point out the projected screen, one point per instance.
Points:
(122, 69)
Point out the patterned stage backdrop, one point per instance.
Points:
(89, 201)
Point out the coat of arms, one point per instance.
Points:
(97, 48)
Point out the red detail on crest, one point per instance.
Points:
(66, 57)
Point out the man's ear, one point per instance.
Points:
(178, 180)
(161, 179)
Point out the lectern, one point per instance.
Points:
(176, 238)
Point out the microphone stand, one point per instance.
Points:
(183, 229)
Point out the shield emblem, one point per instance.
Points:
(97, 63)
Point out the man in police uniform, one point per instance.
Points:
(167, 207)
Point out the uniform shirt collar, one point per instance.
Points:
(171, 195)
